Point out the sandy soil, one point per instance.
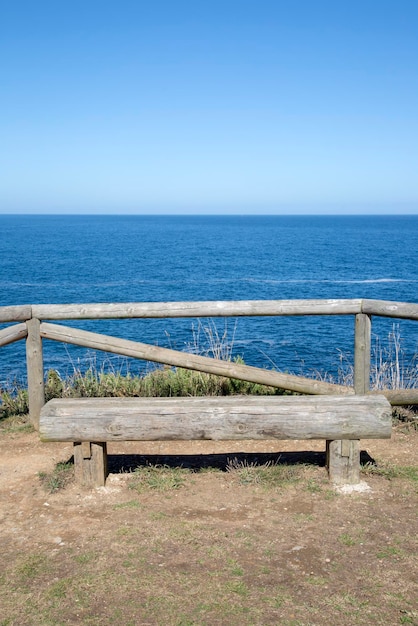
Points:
(302, 554)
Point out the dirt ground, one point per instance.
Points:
(217, 550)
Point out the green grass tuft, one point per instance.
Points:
(158, 477)
(390, 471)
(60, 477)
(269, 475)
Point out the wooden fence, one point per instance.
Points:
(31, 322)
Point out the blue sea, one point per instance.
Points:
(74, 258)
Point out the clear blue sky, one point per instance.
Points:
(232, 106)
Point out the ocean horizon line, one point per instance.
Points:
(198, 215)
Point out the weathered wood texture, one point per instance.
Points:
(18, 313)
(383, 308)
(399, 397)
(362, 347)
(216, 418)
(343, 461)
(186, 360)
(35, 369)
(13, 333)
(208, 309)
(196, 309)
(90, 463)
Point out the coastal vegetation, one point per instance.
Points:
(161, 382)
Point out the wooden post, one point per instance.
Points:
(35, 370)
(362, 347)
(343, 461)
(90, 463)
(343, 457)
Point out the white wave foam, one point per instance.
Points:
(327, 281)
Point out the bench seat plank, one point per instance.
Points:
(216, 418)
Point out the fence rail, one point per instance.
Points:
(28, 322)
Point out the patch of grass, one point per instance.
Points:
(131, 504)
(237, 586)
(158, 477)
(32, 566)
(316, 580)
(235, 568)
(124, 531)
(16, 424)
(269, 475)
(390, 471)
(279, 600)
(13, 401)
(157, 516)
(58, 590)
(313, 486)
(304, 517)
(61, 476)
(405, 417)
(390, 551)
(347, 540)
(346, 603)
(86, 557)
(409, 617)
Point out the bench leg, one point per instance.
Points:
(343, 461)
(90, 463)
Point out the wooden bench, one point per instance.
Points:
(342, 420)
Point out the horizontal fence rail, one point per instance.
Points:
(155, 310)
(30, 322)
(382, 308)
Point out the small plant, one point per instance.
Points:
(60, 477)
(313, 486)
(346, 540)
(33, 565)
(54, 385)
(209, 341)
(267, 475)
(13, 401)
(132, 504)
(409, 617)
(235, 568)
(389, 368)
(158, 477)
(406, 417)
(85, 557)
(410, 472)
(238, 587)
(16, 424)
(389, 551)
